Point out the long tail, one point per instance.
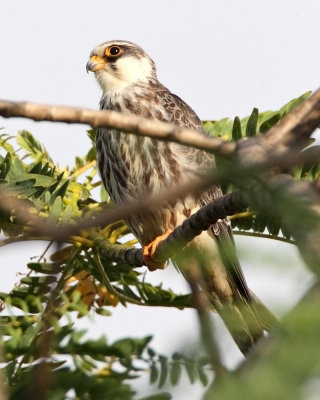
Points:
(242, 312)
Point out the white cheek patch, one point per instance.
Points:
(108, 81)
(129, 70)
(132, 69)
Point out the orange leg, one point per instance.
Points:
(149, 252)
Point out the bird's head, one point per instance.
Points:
(118, 64)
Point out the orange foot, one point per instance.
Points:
(149, 252)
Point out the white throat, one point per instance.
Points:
(128, 71)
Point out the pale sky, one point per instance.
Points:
(222, 57)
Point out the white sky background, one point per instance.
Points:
(222, 57)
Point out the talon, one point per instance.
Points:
(149, 252)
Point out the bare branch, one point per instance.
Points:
(254, 155)
(295, 127)
(112, 119)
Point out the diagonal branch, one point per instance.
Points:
(227, 205)
(232, 174)
(37, 225)
(181, 236)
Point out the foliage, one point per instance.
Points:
(71, 280)
(259, 123)
(40, 338)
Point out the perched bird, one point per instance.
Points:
(132, 166)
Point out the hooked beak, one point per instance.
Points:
(95, 64)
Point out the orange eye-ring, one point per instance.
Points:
(113, 51)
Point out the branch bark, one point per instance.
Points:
(294, 128)
(219, 209)
(112, 119)
(276, 148)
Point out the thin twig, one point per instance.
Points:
(126, 299)
(106, 281)
(263, 236)
(44, 325)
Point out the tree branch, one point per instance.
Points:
(238, 175)
(219, 209)
(295, 127)
(112, 119)
(254, 156)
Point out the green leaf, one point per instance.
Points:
(26, 140)
(163, 371)
(66, 215)
(202, 375)
(92, 135)
(4, 143)
(269, 123)
(151, 352)
(273, 226)
(127, 291)
(104, 195)
(24, 188)
(236, 129)
(157, 396)
(16, 171)
(38, 280)
(251, 128)
(218, 128)
(79, 162)
(175, 373)
(293, 103)
(91, 155)
(60, 192)
(191, 370)
(53, 187)
(103, 311)
(260, 223)
(154, 373)
(286, 233)
(5, 166)
(39, 180)
(177, 356)
(128, 346)
(55, 210)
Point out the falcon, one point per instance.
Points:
(131, 166)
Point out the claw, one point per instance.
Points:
(149, 252)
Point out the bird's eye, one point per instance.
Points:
(113, 51)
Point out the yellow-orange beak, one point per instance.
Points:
(95, 64)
